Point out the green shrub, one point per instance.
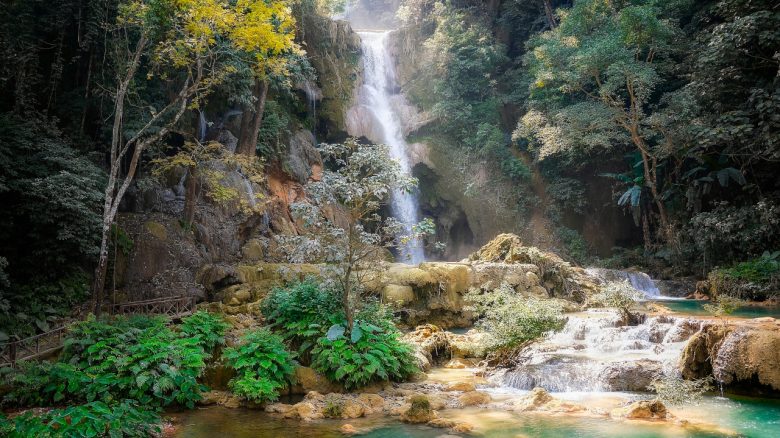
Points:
(136, 358)
(96, 419)
(45, 383)
(620, 295)
(371, 353)
(757, 270)
(512, 319)
(263, 366)
(302, 313)
(209, 329)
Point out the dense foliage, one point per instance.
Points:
(207, 329)
(673, 104)
(95, 419)
(369, 354)
(511, 319)
(263, 366)
(302, 313)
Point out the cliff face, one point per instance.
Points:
(164, 257)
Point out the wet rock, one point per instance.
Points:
(429, 342)
(348, 429)
(474, 398)
(461, 386)
(748, 356)
(419, 411)
(631, 375)
(534, 400)
(645, 410)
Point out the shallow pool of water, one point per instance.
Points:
(724, 417)
(696, 307)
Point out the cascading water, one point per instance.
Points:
(375, 96)
(203, 126)
(595, 352)
(639, 280)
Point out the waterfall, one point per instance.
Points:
(203, 126)
(595, 352)
(311, 97)
(639, 280)
(249, 190)
(374, 97)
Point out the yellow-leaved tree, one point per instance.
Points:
(189, 45)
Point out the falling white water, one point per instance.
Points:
(595, 352)
(374, 97)
(203, 126)
(249, 190)
(639, 280)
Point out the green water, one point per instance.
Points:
(696, 307)
(732, 417)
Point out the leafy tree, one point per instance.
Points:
(361, 181)
(594, 78)
(193, 44)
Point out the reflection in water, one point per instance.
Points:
(729, 417)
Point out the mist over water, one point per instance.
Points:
(375, 99)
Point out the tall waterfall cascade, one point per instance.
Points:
(381, 123)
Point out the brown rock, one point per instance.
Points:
(309, 380)
(474, 398)
(305, 411)
(462, 386)
(534, 400)
(419, 411)
(443, 423)
(352, 409)
(462, 427)
(373, 402)
(646, 410)
(348, 429)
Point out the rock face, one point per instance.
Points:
(745, 358)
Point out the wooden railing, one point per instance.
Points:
(51, 341)
(32, 347)
(173, 307)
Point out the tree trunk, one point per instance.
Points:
(549, 15)
(251, 122)
(258, 120)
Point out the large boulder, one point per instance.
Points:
(631, 375)
(743, 357)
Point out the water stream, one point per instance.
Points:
(374, 98)
(639, 280)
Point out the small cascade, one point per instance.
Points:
(249, 190)
(595, 352)
(203, 126)
(375, 98)
(639, 280)
(311, 101)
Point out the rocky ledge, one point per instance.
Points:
(742, 355)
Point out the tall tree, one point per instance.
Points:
(593, 80)
(192, 45)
